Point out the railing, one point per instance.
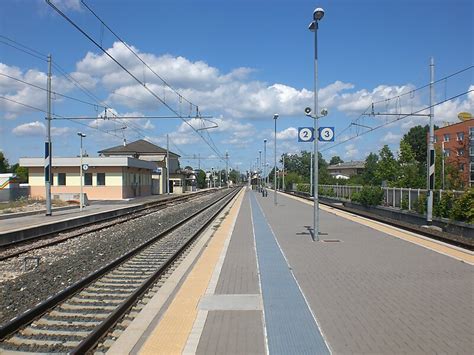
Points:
(398, 197)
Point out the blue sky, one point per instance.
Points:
(240, 62)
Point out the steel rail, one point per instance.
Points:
(30, 315)
(127, 216)
(93, 338)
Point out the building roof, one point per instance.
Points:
(91, 161)
(466, 123)
(140, 147)
(348, 165)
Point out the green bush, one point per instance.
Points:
(355, 197)
(329, 191)
(368, 196)
(404, 202)
(463, 207)
(302, 187)
(420, 204)
(443, 207)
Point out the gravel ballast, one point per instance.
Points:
(64, 264)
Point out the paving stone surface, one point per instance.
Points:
(374, 293)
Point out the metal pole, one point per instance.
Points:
(283, 183)
(265, 162)
(227, 169)
(316, 139)
(167, 164)
(48, 167)
(275, 116)
(260, 165)
(81, 197)
(442, 161)
(431, 152)
(311, 176)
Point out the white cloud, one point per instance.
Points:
(287, 134)
(30, 129)
(390, 138)
(38, 128)
(351, 151)
(74, 5)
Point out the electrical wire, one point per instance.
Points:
(396, 120)
(132, 75)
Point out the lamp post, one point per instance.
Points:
(260, 167)
(275, 117)
(265, 162)
(318, 14)
(81, 196)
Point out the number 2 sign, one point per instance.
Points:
(305, 134)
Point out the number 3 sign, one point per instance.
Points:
(326, 134)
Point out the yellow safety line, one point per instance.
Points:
(439, 247)
(172, 332)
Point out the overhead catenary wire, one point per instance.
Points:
(397, 119)
(147, 88)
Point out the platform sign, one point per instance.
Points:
(326, 134)
(85, 167)
(305, 134)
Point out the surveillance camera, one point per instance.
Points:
(324, 112)
(307, 111)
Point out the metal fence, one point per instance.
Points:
(397, 197)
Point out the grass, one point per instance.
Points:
(25, 204)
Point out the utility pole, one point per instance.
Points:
(311, 176)
(48, 148)
(431, 151)
(265, 162)
(167, 164)
(283, 187)
(227, 169)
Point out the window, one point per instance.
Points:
(435, 138)
(446, 137)
(461, 167)
(61, 179)
(471, 132)
(472, 172)
(100, 179)
(471, 150)
(446, 152)
(460, 152)
(460, 136)
(88, 179)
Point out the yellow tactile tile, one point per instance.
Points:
(171, 333)
(436, 246)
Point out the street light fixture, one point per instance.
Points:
(318, 14)
(275, 117)
(81, 196)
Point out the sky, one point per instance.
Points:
(239, 62)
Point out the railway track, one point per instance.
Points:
(433, 234)
(17, 248)
(76, 319)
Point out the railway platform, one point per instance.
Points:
(259, 284)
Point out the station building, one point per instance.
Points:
(150, 152)
(106, 178)
(457, 141)
(347, 169)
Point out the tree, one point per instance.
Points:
(370, 167)
(234, 176)
(387, 167)
(335, 160)
(417, 138)
(4, 166)
(411, 171)
(20, 171)
(201, 179)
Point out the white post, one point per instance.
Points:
(167, 164)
